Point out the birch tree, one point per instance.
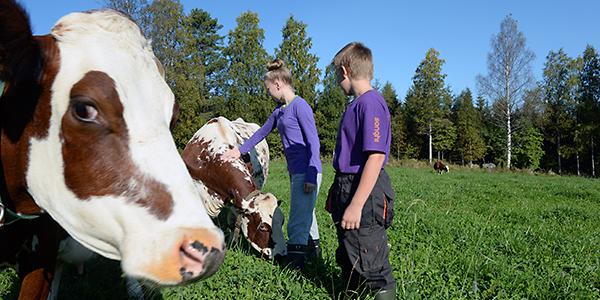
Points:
(509, 75)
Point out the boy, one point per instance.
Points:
(361, 197)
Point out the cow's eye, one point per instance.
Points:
(263, 227)
(85, 112)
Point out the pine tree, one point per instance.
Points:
(294, 50)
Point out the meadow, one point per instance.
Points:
(468, 234)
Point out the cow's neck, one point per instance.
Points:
(25, 114)
(13, 187)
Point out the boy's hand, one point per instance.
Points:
(309, 187)
(351, 218)
(231, 155)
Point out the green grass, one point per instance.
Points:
(466, 234)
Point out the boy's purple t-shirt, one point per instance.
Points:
(365, 127)
(298, 132)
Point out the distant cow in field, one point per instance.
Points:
(237, 183)
(85, 149)
(440, 167)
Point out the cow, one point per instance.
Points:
(440, 167)
(237, 183)
(86, 150)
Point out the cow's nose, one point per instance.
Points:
(199, 260)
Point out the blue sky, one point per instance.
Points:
(398, 32)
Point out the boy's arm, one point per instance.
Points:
(370, 173)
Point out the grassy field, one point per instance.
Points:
(466, 234)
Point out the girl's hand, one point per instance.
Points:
(231, 155)
(309, 187)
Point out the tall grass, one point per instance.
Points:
(466, 234)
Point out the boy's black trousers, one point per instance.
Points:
(363, 254)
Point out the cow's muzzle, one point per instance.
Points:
(198, 260)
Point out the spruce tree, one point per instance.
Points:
(330, 107)
(294, 50)
(398, 144)
(469, 142)
(426, 99)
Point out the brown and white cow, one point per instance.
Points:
(234, 182)
(85, 138)
(440, 167)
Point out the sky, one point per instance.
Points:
(399, 33)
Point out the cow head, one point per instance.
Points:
(258, 212)
(232, 181)
(85, 137)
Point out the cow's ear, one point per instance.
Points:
(19, 52)
(174, 116)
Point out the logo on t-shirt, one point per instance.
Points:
(376, 134)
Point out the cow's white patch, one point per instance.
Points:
(113, 225)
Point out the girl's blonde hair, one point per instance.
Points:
(276, 70)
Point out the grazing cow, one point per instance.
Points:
(85, 147)
(440, 167)
(235, 182)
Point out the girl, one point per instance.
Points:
(294, 119)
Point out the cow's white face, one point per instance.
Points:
(108, 170)
(257, 221)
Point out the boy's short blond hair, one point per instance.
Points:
(357, 59)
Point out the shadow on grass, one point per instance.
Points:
(102, 279)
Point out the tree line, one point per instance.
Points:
(514, 121)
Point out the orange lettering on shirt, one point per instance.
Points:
(376, 133)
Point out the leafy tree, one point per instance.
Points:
(426, 97)
(444, 136)
(560, 83)
(534, 106)
(330, 107)
(588, 109)
(528, 147)
(509, 75)
(469, 142)
(245, 95)
(294, 50)
(175, 44)
(136, 9)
